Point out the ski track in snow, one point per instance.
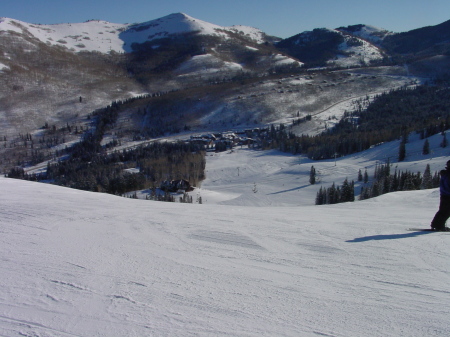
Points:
(77, 263)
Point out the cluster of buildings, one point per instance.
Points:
(222, 141)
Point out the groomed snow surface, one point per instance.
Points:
(76, 263)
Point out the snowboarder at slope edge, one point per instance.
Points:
(438, 223)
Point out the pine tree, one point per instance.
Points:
(387, 168)
(337, 194)
(312, 176)
(427, 180)
(352, 191)
(374, 190)
(395, 182)
(409, 182)
(444, 140)
(360, 176)
(361, 195)
(366, 177)
(346, 194)
(320, 197)
(436, 179)
(426, 147)
(330, 194)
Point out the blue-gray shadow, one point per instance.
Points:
(389, 237)
(289, 190)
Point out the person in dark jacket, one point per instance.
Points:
(438, 223)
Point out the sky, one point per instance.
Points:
(282, 18)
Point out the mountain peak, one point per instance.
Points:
(179, 15)
(367, 32)
(175, 23)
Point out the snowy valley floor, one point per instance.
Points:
(75, 263)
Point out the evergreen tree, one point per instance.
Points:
(366, 177)
(427, 180)
(352, 191)
(385, 185)
(444, 140)
(312, 176)
(337, 195)
(374, 190)
(361, 194)
(387, 168)
(436, 179)
(346, 192)
(426, 147)
(360, 176)
(331, 193)
(320, 197)
(405, 137)
(395, 182)
(409, 182)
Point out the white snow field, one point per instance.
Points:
(283, 180)
(75, 263)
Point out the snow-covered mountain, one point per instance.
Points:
(103, 36)
(356, 46)
(367, 32)
(333, 47)
(76, 263)
(44, 69)
(223, 76)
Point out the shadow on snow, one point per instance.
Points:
(389, 237)
(289, 190)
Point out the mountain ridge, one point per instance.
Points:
(359, 44)
(119, 37)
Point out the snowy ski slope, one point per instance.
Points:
(76, 263)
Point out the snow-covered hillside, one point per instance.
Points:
(76, 263)
(103, 36)
(353, 55)
(367, 32)
(283, 179)
(355, 51)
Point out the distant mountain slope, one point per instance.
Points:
(162, 45)
(103, 36)
(432, 39)
(195, 73)
(323, 46)
(95, 35)
(45, 69)
(370, 33)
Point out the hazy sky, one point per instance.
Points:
(282, 18)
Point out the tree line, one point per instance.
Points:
(89, 167)
(390, 116)
(155, 163)
(384, 181)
